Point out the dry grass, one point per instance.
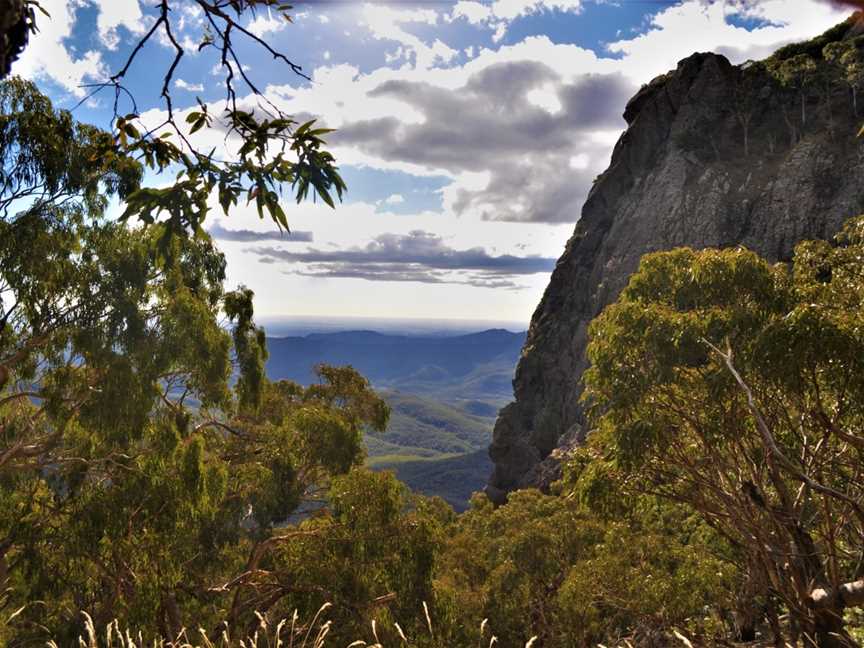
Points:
(291, 633)
(285, 634)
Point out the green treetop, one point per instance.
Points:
(737, 387)
(146, 463)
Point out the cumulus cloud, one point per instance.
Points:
(512, 9)
(218, 232)
(698, 26)
(520, 130)
(472, 11)
(191, 16)
(416, 256)
(386, 23)
(118, 13)
(523, 130)
(262, 25)
(46, 57)
(499, 14)
(491, 124)
(190, 87)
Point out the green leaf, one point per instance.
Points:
(198, 125)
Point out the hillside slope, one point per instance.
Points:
(453, 478)
(680, 176)
(444, 392)
(435, 448)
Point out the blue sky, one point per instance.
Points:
(469, 132)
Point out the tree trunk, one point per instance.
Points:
(828, 606)
(773, 618)
(14, 32)
(748, 609)
(793, 132)
(803, 110)
(828, 629)
(746, 618)
(171, 621)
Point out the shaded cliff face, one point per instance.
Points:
(678, 176)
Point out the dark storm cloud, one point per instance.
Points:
(420, 249)
(405, 274)
(248, 236)
(491, 124)
(417, 256)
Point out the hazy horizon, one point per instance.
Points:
(301, 325)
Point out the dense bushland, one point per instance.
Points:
(152, 474)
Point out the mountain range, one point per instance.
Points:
(444, 393)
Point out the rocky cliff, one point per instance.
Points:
(714, 156)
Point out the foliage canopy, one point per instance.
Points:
(736, 387)
(146, 463)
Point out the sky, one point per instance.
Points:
(469, 132)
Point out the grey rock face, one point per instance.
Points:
(678, 177)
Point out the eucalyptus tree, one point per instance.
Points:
(746, 103)
(794, 74)
(146, 463)
(264, 151)
(848, 58)
(736, 387)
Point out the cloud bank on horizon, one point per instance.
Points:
(469, 131)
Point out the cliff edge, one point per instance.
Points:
(714, 155)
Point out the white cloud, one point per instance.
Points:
(511, 9)
(46, 57)
(545, 97)
(385, 23)
(190, 87)
(395, 199)
(118, 13)
(696, 26)
(520, 130)
(473, 12)
(499, 14)
(580, 162)
(193, 14)
(263, 25)
(360, 224)
(323, 19)
(219, 70)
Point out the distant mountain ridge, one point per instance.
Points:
(301, 325)
(386, 359)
